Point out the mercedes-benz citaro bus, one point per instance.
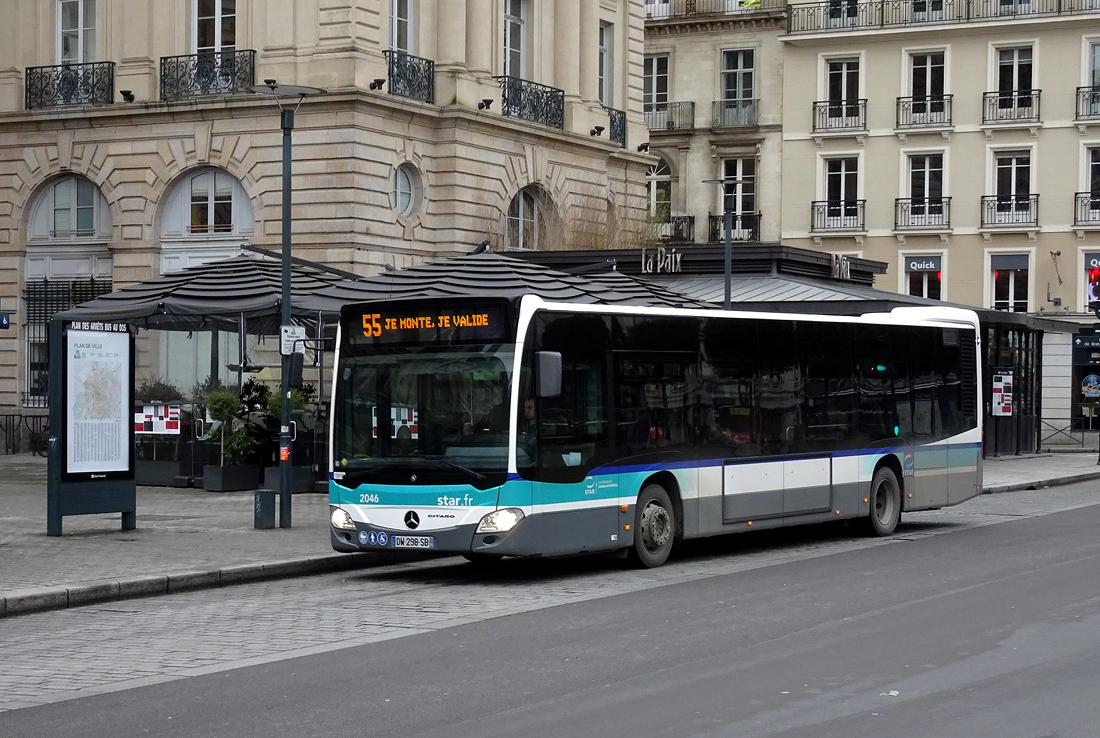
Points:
(549, 428)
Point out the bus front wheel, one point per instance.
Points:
(654, 527)
(885, 503)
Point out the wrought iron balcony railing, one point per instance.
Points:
(842, 15)
(676, 229)
(410, 76)
(922, 212)
(924, 112)
(656, 10)
(746, 227)
(70, 84)
(1088, 103)
(1013, 106)
(670, 116)
(1086, 208)
(616, 130)
(840, 115)
(837, 215)
(1010, 210)
(211, 73)
(531, 101)
(734, 113)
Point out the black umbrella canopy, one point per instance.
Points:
(497, 275)
(211, 296)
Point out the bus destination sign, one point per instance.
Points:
(439, 324)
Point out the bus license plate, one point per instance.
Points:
(413, 542)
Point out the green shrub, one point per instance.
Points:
(158, 390)
(239, 446)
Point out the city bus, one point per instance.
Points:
(547, 428)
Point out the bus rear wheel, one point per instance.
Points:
(654, 527)
(885, 503)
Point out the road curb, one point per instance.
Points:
(1041, 484)
(61, 598)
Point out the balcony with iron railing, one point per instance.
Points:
(745, 227)
(922, 213)
(410, 76)
(210, 73)
(521, 98)
(924, 112)
(674, 229)
(1086, 209)
(1008, 211)
(616, 126)
(1010, 106)
(734, 113)
(837, 215)
(92, 83)
(659, 10)
(1088, 103)
(847, 15)
(670, 116)
(840, 115)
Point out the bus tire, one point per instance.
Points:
(885, 503)
(654, 527)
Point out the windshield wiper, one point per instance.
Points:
(476, 475)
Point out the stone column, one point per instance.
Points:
(451, 35)
(589, 51)
(567, 48)
(481, 40)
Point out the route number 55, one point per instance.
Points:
(371, 327)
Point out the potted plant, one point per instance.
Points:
(157, 457)
(236, 468)
(302, 474)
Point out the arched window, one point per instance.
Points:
(207, 216)
(659, 182)
(527, 218)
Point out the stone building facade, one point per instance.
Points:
(130, 145)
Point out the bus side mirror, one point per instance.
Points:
(549, 373)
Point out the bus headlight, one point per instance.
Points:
(500, 521)
(340, 519)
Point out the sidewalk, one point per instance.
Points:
(192, 539)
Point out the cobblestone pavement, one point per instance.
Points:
(65, 654)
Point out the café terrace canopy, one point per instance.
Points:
(221, 295)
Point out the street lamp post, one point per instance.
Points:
(286, 121)
(727, 226)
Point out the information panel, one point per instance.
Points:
(98, 417)
(440, 324)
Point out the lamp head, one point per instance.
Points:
(377, 84)
(484, 104)
(643, 146)
(127, 95)
(596, 131)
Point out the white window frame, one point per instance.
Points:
(510, 22)
(656, 177)
(219, 16)
(906, 183)
(823, 187)
(651, 76)
(411, 192)
(988, 270)
(84, 54)
(606, 64)
(903, 275)
(409, 45)
(527, 200)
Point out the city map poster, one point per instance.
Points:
(99, 413)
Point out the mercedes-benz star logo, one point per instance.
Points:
(412, 520)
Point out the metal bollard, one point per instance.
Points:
(265, 509)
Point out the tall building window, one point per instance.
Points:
(1092, 281)
(76, 31)
(739, 195)
(515, 19)
(211, 203)
(842, 81)
(926, 190)
(1014, 82)
(841, 192)
(1013, 182)
(606, 67)
(401, 25)
(655, 80)
(215, 26)
(1010, 282)
(659, 181)
(527, 217)
(1089, 206)
(924, 275)
(73, 208)
(738, 88)
(926, 72)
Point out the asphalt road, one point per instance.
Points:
(982, 620)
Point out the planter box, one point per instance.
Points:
(157, 473)
(230, 478)
(301, 478)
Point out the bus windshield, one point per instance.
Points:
(436, 413)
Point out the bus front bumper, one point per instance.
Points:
(460, 539)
